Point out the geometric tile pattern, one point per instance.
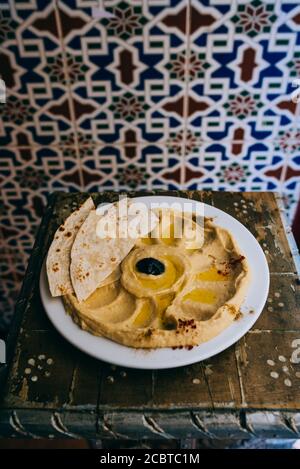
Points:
(142, 94)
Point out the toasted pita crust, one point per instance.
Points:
(94, 258)
(58, 258)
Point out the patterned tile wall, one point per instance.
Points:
(142, 94)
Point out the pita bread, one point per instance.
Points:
(95, 253)
(58, 258)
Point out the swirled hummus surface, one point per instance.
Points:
(193, 292)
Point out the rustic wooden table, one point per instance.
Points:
(53, 390)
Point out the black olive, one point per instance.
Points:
(150, 266)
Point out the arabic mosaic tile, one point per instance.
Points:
(27, 176)
(130, 83)
(9, 290)
(131, 167)
(248, 83)
(291, 195)
(235, 165)
(36, 105)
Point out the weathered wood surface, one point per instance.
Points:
(252, 388)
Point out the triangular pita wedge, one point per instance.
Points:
(95, 254)
(59, 254)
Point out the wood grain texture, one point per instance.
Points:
(270, 364)
(252, 388)
(282, 310)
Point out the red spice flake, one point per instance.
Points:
(230, 264)
(234, 262)
(223, 272)
(182, 323)
(58, 250)
(187, 347)
(232, 309)
(186, 325)
(238, 316)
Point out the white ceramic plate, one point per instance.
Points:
(111, 352)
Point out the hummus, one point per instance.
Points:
(196, 296)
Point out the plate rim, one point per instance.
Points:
(180, 357)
